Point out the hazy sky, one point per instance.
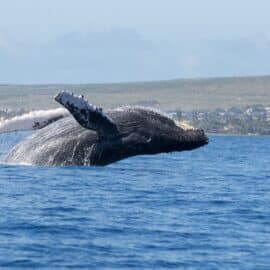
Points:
(57, 41)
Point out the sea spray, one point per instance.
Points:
(32, 120)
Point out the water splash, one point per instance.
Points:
(32, 120)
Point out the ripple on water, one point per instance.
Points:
(205, 209)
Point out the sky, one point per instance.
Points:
(91, 41)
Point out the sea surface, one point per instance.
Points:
(203, 209)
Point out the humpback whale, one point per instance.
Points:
(91, 136)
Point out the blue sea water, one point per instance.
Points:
(204, 209)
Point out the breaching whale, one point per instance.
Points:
(96, 137)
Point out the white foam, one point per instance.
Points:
(184, 125)
(31, 120)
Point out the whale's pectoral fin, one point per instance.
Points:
(86, 114)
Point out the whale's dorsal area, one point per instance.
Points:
(91, 136)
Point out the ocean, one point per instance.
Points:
(204, 209)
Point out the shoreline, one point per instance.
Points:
(236, 135)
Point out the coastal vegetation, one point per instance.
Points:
(238, 105)
(184, 94)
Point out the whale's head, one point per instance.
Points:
(193, 139)
(153, 132)
(190, 136)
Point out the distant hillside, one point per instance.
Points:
(186, 94)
